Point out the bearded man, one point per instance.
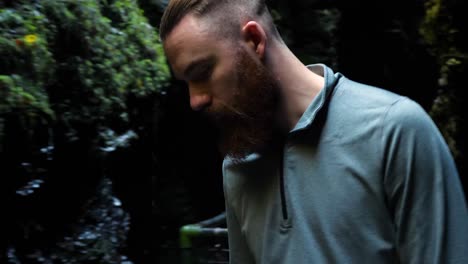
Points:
(318, 168)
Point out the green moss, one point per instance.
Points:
(441, 32)
(91, 55)
(26, 68)
(71, 69)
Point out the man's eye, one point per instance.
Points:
(202, 74)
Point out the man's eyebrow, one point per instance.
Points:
(197, 64)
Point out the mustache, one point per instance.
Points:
(237, 112)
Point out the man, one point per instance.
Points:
(318, 168)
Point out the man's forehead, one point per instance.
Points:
(189, 36)
(189, 30)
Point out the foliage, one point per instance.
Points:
(78, 60)
(26, 68)
(153, 10)
(443, 30)
(76, 77)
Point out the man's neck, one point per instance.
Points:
(298, 85)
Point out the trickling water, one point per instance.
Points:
(29, 188)
(97, 238)
(112, 141)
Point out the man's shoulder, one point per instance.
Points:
(360, 111)
(359, 95)
(406, 116)
(391, 112)
(394, 109)
(358, 101)
(354, 106)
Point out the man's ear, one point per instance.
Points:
(255, 37)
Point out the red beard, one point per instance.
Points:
(247, 124)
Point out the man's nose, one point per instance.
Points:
(199, 100)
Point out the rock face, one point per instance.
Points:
(79, 81)
(445, 32)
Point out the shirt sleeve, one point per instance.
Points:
(239, 252)
(423, 189)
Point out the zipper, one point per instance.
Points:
(286, 220)
(284, 208)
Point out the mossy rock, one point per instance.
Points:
(70, 69)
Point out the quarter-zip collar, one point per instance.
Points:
(330, 80)
(306, 120)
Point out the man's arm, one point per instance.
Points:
(423, 188)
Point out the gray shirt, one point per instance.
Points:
(364, 177)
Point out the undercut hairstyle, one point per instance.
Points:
(225, 15)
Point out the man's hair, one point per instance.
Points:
(227, 14)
